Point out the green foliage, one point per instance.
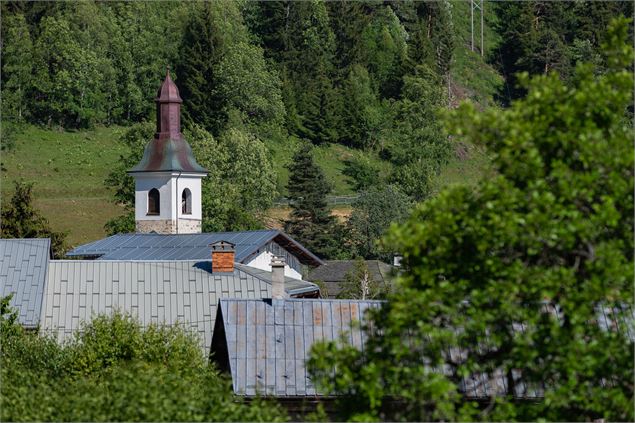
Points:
(124, 224)
(20, 219)
(223, 76)
(364, 172)
(67, 80)
(418, 147)
(372, 215)
(363, 114)
(299, 37)
(359, 284)
(310, 221)
(76, 64)
(249, 88)
(17, 68)
(8, 316)
(553, 231)
(241, 183)
(384, 49)
(135, 138)
(115, 370)
(541, 36)
(111, 340)
(8, 132)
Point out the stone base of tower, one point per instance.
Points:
(185, 226)
(189, 226)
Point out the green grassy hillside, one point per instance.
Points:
(69, 169)
(330, 157)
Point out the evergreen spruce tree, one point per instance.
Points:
(20, 219)
(298, 36)
(196, 70)
(224, 77)
(310, 222)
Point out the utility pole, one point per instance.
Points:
(477, 4)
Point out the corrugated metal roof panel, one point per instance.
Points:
(268, 341)
(23, 269)
(154, 291)
(186, 246)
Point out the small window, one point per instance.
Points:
(186, 202)
(153, 202)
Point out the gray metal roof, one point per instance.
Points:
(23, 267)
(154, 291)
(189, 246)
(333, 273)
(264, 344)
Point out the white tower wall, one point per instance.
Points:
(171, 219)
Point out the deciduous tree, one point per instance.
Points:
(529, 275)
(115, 370)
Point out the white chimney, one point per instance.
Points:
(277, 278)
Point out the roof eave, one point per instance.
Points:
(304, 290)
(204, 171)
(310, 258)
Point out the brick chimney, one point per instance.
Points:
(223, 253)
(277, 278)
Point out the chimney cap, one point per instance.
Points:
(277, 261)
(222, 246)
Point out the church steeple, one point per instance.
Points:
(168, 151)
(168, 178)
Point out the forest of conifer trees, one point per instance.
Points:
(323, 71)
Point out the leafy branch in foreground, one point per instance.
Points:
(527, 278)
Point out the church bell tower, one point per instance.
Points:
(168, 178)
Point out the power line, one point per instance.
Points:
(479, 5)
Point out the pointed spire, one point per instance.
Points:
(169, 109)
(168, 93)
(168, 151)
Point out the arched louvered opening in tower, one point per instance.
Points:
(186, 202)
(154, 202)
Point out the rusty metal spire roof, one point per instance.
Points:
(169, 92)
(168, 151)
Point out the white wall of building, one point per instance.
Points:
(144, 182)
(263, 261)
(193, 183)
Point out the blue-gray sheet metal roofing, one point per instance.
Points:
(23, 267)
(267, 344)
(189, 246)
(268, 341)
(154, 291)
